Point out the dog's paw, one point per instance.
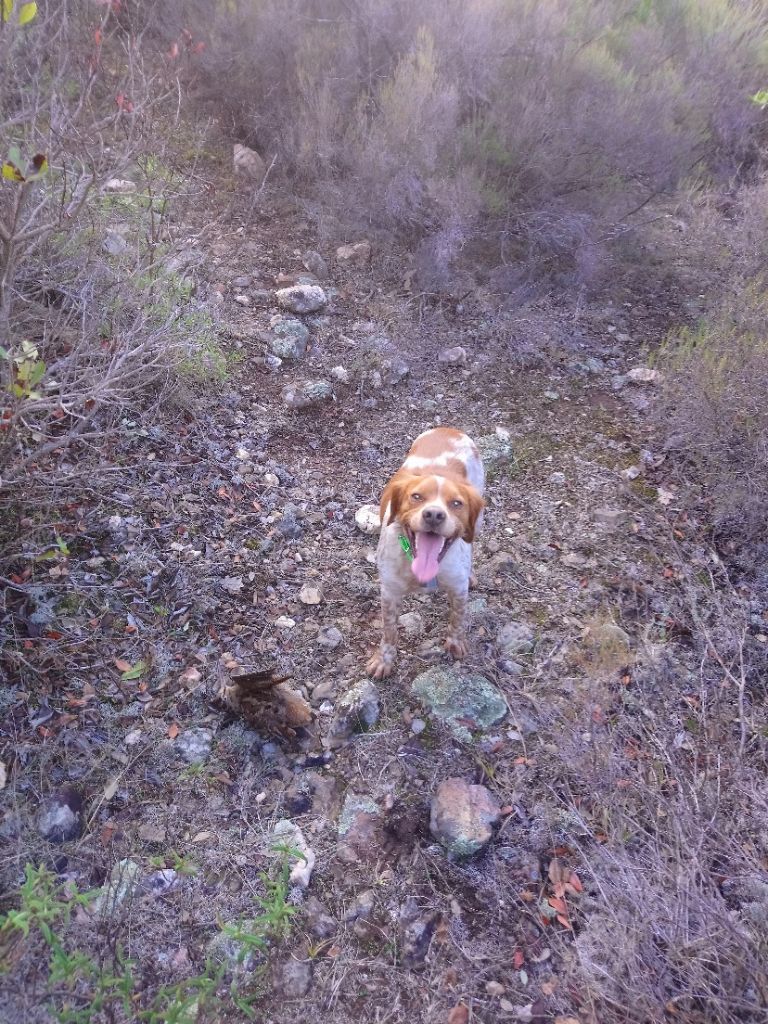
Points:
(456, 647)
(381, 664)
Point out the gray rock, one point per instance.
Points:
(315, 264)
(318, 921)
(356, 711)
(307, 394)
(288, 337)
(496, 452)
(330, 637)
(462, 817)
(461, 701)
(360, 828)
(456, 356)
(302, 298)
(62, 817)
(244, 281)
(515, 638)
(294, 978)
(359, 253)
(123, 882)
(611, 517)
(412, 623)
(362, 906)
(558, 479)
(194, 745)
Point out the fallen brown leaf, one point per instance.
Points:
(459, 1014)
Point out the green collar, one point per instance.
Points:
(405, 544)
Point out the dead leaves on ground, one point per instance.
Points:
(563, 883)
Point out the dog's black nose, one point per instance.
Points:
(433, 516)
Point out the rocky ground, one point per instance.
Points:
(459, 820)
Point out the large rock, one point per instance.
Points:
(356, 711)
(287, 338)
(302, 298)
(62, 817)
(466, 703)
(463, 817)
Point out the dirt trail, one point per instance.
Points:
(197, 562)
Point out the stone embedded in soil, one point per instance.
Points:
(302, 298)
(287, 338)
(294, 978)
(412, 623)
(330, 637)
(463, 817)
(495, 451)
(150, 833)
(360, 829)
(310, 595)
(306, 394)
(462, 701)
(194, 745)
(317, 921)
(62, 817)
(417, 930)
(456, 356)
(123, 882)
(359, 253)
(356, 711)
(612, 517)
(515, 638)
(367, 519)
(361, 907)
(315, 264)
(243, 281)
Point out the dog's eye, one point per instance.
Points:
(457, 503)
(416, 497)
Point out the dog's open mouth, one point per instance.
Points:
(429, 549)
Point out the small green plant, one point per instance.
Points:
(180, 862)
(27, 370)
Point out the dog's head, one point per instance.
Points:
(433, 511)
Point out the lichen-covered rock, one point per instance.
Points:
(123, 882)
(463, 817)
(495, 451)
(307, 394)
(463, 702)
(302, 298)
(194, 745)
(360, 829)
(287, 337)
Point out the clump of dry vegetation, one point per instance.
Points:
(542, 128)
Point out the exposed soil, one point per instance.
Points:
(216, 521)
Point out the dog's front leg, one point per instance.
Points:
(382, 662)
(456, 641)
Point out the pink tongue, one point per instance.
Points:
(428, 547)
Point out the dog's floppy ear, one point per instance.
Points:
(392, 499)
(475, 505)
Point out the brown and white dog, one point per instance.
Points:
(430, 511)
